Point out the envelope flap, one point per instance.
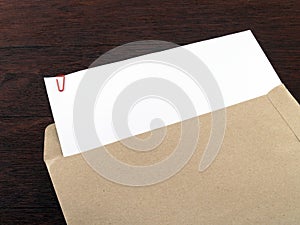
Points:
(287, 107)
(52, 149)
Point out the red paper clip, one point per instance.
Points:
(63, 85)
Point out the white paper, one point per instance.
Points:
(236, 61)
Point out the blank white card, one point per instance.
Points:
(236, 61)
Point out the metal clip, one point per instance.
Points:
(63, 85)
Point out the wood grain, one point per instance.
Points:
(44, 38)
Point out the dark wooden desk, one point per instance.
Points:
(44, 38)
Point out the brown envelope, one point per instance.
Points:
(255, 178)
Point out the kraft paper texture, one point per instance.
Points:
(255, 178)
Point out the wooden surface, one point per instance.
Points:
(44, 38)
